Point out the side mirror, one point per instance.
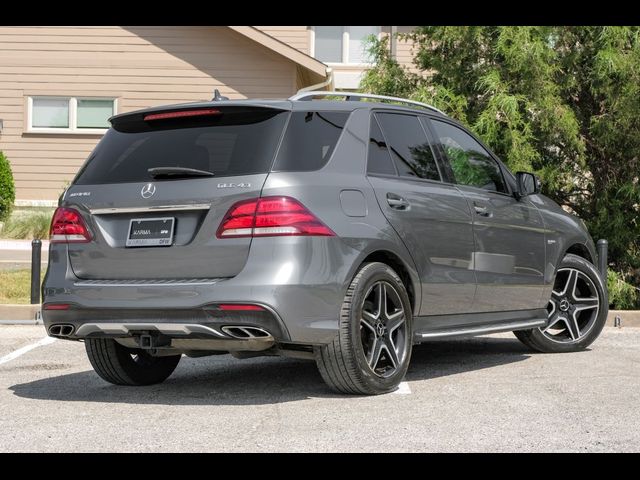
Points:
(528, 184)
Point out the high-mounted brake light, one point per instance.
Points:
(67, 226)
(269, 217)
(181, 114)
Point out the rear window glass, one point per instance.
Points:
(409, 146)
(239, 141)
(310, 140)
(379, 159)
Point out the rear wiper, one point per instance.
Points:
(178, 172)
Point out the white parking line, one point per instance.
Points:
(21, 351)
(403, 389)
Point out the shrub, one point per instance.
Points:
(622, 295)
(28, 225)
(7, 188)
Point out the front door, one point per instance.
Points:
(509, 252)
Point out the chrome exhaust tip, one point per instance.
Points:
(245, 333)
(61, 330)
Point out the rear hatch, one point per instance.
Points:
(156, 188)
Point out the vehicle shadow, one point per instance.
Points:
(223, 380)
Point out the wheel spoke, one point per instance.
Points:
(367, 322)
(552, 322)
(555, 295)
(391, 352)
(570, 285)
(586, 303)
(374, 355)
(394, 321)
(572, 326)
(379, 300)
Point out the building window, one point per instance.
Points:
(69, 114)
(342, 44)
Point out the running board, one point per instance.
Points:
(482, 330)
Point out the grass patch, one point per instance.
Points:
(28, 224)
(15, 286)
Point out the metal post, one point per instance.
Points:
(36, 255)
(603, 247)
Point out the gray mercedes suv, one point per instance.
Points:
(321, 227)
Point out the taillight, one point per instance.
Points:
(68, 226)
(271, 216)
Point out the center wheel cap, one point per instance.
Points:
(380, 329)
(564, 305)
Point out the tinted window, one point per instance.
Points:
(471, 163)
(233, 142)
(379, 159)
(310, 140)
(409, 146)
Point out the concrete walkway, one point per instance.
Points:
(16, 254)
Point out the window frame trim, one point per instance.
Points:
(346, 40)
(444, 179)
(73, 128)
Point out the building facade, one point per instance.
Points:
(59, 85)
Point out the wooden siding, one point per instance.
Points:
(140, 66)
(296, 37)
(405, 50)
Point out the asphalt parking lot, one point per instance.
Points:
(482, 394)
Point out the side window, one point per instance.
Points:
(471, 163)
(379, 160)
(409, 146)
(310, 140)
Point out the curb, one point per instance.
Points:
(19, 312)
(21, 245)
(628, 318)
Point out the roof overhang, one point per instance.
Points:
(316, 69)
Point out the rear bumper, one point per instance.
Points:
(301, 281)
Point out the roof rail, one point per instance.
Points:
(350, 96)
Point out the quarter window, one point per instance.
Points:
(471, 163)
(409, 146)
(69, 114)
(309, 141)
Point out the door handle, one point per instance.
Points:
(482, 211)
(397, 202)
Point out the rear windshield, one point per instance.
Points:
(235, 141)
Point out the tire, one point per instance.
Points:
(343, 364)
(116, 364)
(577, 327)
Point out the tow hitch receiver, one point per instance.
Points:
(148, 342)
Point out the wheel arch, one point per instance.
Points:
(580, 250)
(401, 268)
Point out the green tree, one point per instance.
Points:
(563, 102)
(7, 189)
